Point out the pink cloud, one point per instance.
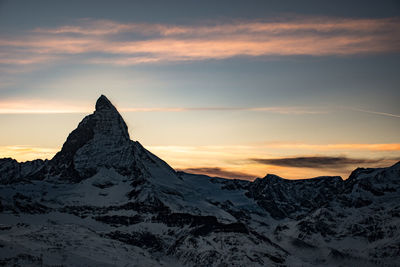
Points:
(320, 24)
(98, 41)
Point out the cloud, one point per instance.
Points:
(27, 106)
(316, 162)
(43, 106)
(49, 106)
(219, 172)
(279, 26)
(330, 147)
(125, 44)
(277, 110)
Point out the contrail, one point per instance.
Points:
(376, 112)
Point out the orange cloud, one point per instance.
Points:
(98, 42)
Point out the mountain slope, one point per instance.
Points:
(105, 200)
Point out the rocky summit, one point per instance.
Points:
(104, 200)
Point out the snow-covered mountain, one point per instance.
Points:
(104, 200)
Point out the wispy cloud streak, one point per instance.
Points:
(278, 110)
(28, 106)
(317, 24)
(332, 147)
(111, 42)
(40, 106)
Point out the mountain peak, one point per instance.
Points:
(100, 140)
(103, 103)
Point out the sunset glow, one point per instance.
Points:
(273, 90)
(237, 162)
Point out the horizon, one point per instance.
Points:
(239, 90)
(225, 173)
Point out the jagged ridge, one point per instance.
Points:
(106, 187)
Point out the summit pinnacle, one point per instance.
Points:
(103, 103)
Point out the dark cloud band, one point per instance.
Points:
(317, 162)
(219, 172)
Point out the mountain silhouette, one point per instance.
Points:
(105, 200)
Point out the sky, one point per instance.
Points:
(235, 89)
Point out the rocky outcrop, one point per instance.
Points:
(284, 198)
(12, 171)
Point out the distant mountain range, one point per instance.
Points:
(104, 200)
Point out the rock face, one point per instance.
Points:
(11, 171)
(105, 200)
(101, 140)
